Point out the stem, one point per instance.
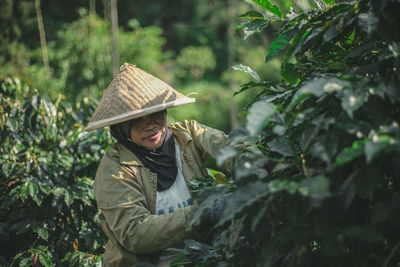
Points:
(387, 260)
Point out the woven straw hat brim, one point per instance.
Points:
(136, 114)
(134, 93)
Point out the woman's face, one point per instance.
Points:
(149, 131)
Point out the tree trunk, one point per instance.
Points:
(114, 30)
(42, 37)
(92, 13)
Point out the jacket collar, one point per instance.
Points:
(128, 158)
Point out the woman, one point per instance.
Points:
(140, 185)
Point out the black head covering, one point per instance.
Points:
(161, 161)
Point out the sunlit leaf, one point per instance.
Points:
(12, 124)
(350, 153)
(35, 102)
(248, 70)
(41, 231)
(45, 260)
(268, 6)
(254, 26)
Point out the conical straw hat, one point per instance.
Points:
(134, 93)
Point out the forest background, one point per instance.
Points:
(321, 101)
(191, 45)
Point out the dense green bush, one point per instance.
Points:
(47, 208)
(330, 137)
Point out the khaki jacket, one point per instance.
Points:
(126, 195)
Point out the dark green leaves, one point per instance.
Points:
(252, 15)
(326, 188)
(318, 87)
(46, 197)
(280, 44)
(259, 115)
(290, 73)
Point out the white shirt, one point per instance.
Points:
(178, 195)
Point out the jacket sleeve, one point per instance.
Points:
(209, 141)
(128, 220)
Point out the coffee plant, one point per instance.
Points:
(330, 137)
(47, 207)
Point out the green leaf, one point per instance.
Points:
(325, 148)
(252, 15)
(280, 44)
(295, 44)
(35, 102)
(259, 114)
(242, 198)
(248, 70)
(316, 187)
(372, 148)
(251, 85)
(281, 146)
(7, 168)
(23, 193)
(350, 153)
(280, 185)
(352, 101)
(290, 73)
(330, 2)
(41, 231)
(34, 193)
(49, 108)
(368, 22)
(317, 88)
(45, 260)
(68, 198)
(268, 6)
(12, 124)
(254, 26)
(225, 154)
(33, 189)
(320, 4)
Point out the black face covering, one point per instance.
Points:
(161, 161)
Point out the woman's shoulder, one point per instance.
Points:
(120, 155)
(189, 126)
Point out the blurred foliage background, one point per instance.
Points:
(192, 45)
